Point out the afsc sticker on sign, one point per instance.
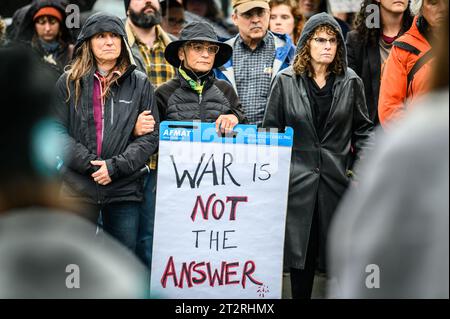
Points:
(220, 212)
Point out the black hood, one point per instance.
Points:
(319, 20)
(26, 26)
(103, 22)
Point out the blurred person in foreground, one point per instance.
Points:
(397, 220)
(41, 238)
(407, 72)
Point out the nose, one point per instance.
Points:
(47, 26)
(255, 18)
(109, 40)
(205, 53)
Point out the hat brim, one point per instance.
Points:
(251, 5)
(223, 56)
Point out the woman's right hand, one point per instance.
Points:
(145, 124)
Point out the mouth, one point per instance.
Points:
(148, 10)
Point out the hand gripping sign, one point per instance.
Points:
(220, 212)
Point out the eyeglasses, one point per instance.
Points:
(255, 12)
(322, 41)
(200, 48)
(174, 22)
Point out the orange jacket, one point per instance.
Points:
(395, 96)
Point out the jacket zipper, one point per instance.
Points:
(112, 111)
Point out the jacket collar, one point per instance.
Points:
(160, 34)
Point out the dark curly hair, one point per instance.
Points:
(367, 35)
(302, 61)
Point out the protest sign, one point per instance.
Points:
(220, 212)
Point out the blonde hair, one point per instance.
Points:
(84, 63)
(2, 29)
(416, 7)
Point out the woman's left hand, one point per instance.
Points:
(226, 123)
(101, 176)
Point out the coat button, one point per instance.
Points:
(317, 170)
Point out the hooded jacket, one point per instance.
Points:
(125, 155)
(26, 35)
(320, 167)
(395, 93)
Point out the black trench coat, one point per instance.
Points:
(319, 167)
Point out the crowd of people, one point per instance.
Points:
(336, 80)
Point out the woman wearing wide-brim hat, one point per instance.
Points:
(195, 93)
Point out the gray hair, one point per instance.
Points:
(416, 7)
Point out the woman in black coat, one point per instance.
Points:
(323, 101)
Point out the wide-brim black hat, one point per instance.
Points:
(198, 31)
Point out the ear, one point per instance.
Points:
(181, 54)
(234, 18)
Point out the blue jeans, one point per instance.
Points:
(147, 221)
(121, 220)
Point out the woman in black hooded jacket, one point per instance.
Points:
(100, 97)
(323, 101)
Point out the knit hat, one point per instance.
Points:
(49, 11)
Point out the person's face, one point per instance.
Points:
(145, 13)
(435, 12)
(106, 46)
(198, 56)
(47, 28)
(253, 24)
(322, 51)
(281, 19)
(394, 6)
(174, 21)
(199, 7)
(144, 6)
(309, 8)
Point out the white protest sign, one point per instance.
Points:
(345, 5)
(220, 212)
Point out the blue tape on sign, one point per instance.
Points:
(206, 133)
